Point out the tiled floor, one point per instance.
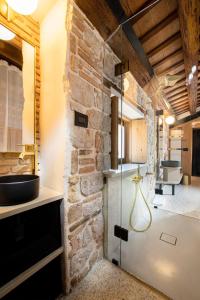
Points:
(186, 201)
(107, 282)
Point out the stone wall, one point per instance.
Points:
(90, 147)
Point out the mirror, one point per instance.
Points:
(17, 94)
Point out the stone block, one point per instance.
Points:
(95, 119)
(82, 137)
(106, 123)
(81, 91)
(75, 213)
(100, 162)
(106, 104)
(85, 152)
(98, 101)
(74, 193)
(90, 208)
(73, 179)
(86, 161)
(97, 229)
(86, 169)
(106, 162)
(79, 260)
(99, 142)
(107, 143)
(91, 184)
(74, 162)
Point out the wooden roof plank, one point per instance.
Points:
(167, 58)
(189, 26)
(164, 44)
(160, 26)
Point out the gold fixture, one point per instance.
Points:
(136, 179)
(30, 150)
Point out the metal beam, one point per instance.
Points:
(119, 13)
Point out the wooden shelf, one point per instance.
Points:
(11, 285)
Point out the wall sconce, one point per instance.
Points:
(23, 7)
(170, 120)
(6, 34)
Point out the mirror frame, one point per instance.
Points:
(29, 38)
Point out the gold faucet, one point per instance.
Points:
(30, 150)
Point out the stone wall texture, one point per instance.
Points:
(89, 147)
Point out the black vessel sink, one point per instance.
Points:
(16, 189)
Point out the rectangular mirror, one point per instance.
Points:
(17, 94)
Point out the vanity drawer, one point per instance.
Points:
(28, 237)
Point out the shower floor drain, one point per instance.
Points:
(167, 238)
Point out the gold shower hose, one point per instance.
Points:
(136, 179)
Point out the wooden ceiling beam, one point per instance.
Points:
(142, 7)
(182, 112)
(167, 58)
(164, 44)
(158, 27)
(171, 68)
(184, 99)
(189, 27)
(177, 96)
(176, 91)
(98, 10)
(120, 15)
(180, 105)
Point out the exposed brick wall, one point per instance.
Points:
(90, 147)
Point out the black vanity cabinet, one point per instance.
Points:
(26, 240)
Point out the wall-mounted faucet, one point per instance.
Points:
(30, 150)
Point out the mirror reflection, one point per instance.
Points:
(17, 62)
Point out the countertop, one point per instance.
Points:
(46, 196)
(125, 170)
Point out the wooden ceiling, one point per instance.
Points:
(163, 38)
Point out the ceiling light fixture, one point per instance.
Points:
(6, 34)
(194, 68)
(23, 7)
(170, 120)
(190, 77)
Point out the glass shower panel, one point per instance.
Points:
(137, 173)
(112, 89)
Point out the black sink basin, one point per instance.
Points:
(16, 189)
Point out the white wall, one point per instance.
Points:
(53, 113)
